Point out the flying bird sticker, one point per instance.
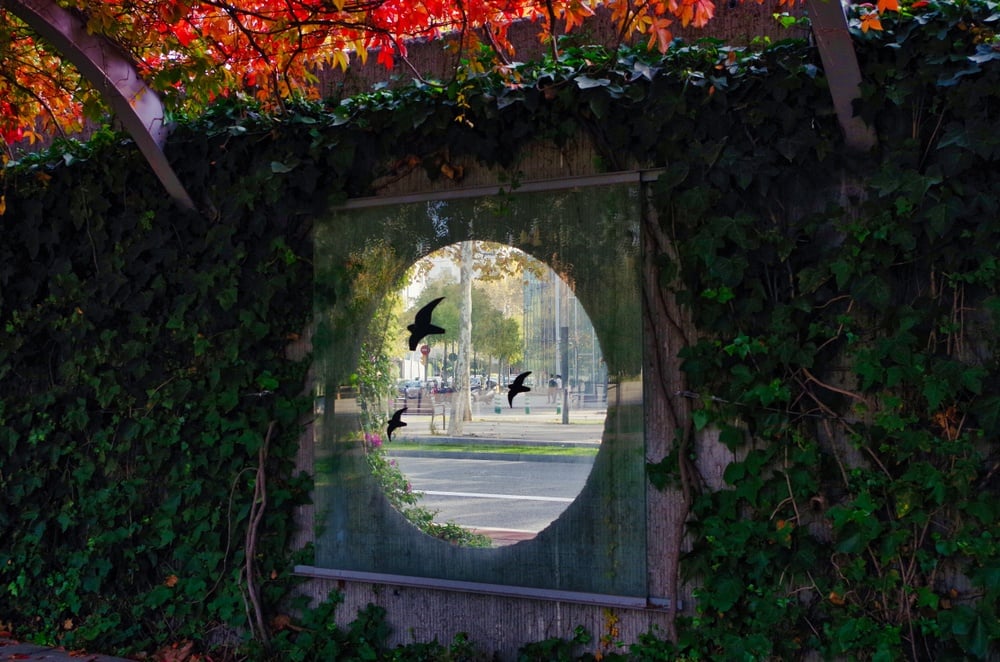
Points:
(422, 324)
(394, 423)
(517, 386)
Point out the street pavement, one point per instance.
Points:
(14, 650)
(529, 423)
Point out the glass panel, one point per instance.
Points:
(463, 455)
(590, 238)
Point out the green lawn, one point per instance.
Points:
(548, 449)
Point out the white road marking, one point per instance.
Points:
(482, 495)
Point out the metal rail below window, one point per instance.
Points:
(552, 595)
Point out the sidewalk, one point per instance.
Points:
(536, 424)
(13, 650)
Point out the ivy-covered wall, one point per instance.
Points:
(842, 313)
(845, 355)
(142, 369)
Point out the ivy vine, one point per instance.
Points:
(845, 350)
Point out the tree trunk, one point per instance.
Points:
(667, 329)
(462, 398)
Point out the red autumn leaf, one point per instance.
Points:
(195, 52)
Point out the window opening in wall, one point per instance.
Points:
(583, 244)
(469, 458)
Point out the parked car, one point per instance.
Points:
(409, 389)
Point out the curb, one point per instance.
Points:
(15, 650)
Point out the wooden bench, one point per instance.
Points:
(423, 406)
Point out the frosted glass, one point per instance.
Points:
(590, 237)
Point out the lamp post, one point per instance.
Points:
(564, 361)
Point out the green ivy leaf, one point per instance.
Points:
(586, 82)
(726, 591)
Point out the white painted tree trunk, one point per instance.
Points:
(462, 398)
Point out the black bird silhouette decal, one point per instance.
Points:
(395, 422)
(517, 386)
(422, 324)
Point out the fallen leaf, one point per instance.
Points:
(177, 652)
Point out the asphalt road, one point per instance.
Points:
(522, 495)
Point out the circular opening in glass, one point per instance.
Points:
(498, 401)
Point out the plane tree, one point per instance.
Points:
(190, 53)
(499, 337)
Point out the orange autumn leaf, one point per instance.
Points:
(575, 13)
(703, 13)
(659, 34)
(870, 21)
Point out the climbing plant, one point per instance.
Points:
(846, 357)
(843, 314)
(143, 369)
